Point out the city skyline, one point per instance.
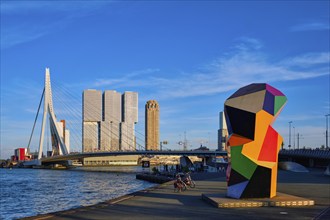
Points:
(191, 55)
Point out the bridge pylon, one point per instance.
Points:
(58, 145)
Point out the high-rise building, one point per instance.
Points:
(112, 116)
(152, 125)
(105, 137)
(92, 105)
(127, 137)
(222, 132)
(64, 134)
(112, 108)
(109, 120)
(90, 136)
(129, 119)
(114, 136)
(130, 107)
(92, 117)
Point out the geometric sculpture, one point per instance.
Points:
(253, 144)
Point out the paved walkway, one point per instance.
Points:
(162, 203)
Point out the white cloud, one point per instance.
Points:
(308, 59)
(311, 26)
(244, 65)
(247, 43)
(128, 79)
(56, 16)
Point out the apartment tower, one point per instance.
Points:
(152, 125)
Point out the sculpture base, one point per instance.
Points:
(281, 199)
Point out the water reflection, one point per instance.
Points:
(28, 192)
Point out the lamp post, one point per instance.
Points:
(290, 122)
(294, 135)
(326, 131)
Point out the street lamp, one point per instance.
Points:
(326, 131)
(294, 135)
(290, 122)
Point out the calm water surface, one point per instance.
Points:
(29, 192)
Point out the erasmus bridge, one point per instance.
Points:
(60, 149)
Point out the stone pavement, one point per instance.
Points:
(163, 203)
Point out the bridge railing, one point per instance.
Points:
(309, 153)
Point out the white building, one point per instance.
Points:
(222, 132)
(64, 134)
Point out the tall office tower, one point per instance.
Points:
(129, 119)
(152, 125)
(222, 132)
(92, 117)
(112, 116)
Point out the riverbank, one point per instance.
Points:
(162, 202)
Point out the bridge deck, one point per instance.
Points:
(126, 153)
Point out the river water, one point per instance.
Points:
(29, 192)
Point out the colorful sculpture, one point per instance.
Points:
(253, 144)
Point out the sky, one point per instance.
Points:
(190, 56)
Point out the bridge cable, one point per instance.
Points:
(35, 120)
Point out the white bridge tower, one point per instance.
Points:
(58, 144)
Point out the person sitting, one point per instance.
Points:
(178, 184)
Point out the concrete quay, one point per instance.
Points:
(162, 202)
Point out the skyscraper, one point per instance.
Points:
(109, 120)
(129, 119)
(112, 117)
(92, 117)
(152, 125)
(92, 105)
(130, 107)
(112, 108)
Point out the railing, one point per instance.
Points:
(307, 153)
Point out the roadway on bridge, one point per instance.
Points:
(125, 153)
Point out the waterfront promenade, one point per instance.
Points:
(162, 203)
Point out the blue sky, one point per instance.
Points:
(190, 56)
